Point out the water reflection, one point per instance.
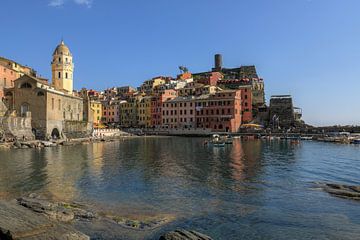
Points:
(250, 188)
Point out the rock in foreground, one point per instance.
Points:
(17, 222)
(184, 235)
(343, 191)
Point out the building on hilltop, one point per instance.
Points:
(235, 78)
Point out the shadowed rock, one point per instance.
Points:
(343, 191)
(184, 235)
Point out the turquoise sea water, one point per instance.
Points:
(248, 190)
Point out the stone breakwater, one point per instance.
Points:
(36, 217)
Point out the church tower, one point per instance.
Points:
(62, 68)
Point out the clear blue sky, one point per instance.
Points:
(307, 48)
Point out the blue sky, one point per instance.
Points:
(307, 48)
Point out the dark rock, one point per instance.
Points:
(184, 235)
(18, 222)
(343, 191)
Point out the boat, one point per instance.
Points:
(356, 141)
(228, 139)
(306, 138)
(216, 141)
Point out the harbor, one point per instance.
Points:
(258, 188)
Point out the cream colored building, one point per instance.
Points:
(62, 68)
(54, 109)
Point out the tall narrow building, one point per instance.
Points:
(62, 69)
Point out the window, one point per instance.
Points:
(25, 85)
(246, 96)
(40, 94)
(66, 75)
(59, 74)
(52, 103)
(24, 109)
(59, 104)
(59, 60)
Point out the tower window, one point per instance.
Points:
(59, 74)
(66, 75)
(59, 60)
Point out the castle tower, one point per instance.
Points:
(62, 68)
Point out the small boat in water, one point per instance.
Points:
(356, 141)
(306, 138)
(216, 141)
(228, 139)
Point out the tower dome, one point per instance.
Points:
(62, 68)
(62, 49)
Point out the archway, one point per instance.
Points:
(24, 108)
(55, 134)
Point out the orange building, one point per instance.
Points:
(7, 77)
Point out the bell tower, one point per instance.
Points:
(62, 68)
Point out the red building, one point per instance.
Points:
(156, 105)
(210, 78)
(220, 112)
(246, 104)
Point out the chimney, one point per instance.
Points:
(218, 62)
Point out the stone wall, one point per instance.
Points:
(18, 127)
(77, 129)
(282, 111)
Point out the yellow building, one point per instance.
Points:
(149, 85)
(96, 111)
(144, 111)
(128, 113)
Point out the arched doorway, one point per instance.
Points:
(24, 108)
(55, 134)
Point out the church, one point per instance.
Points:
(55, 110)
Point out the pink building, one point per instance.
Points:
(110, 112)
(179, 113)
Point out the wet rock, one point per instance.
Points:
(60, 211)
(142, 223)
(17, 144)
(184, 235)
(19, 222)
(343, 191)
(74, 236)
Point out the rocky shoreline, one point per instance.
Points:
(36, 217)
(42, 144)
